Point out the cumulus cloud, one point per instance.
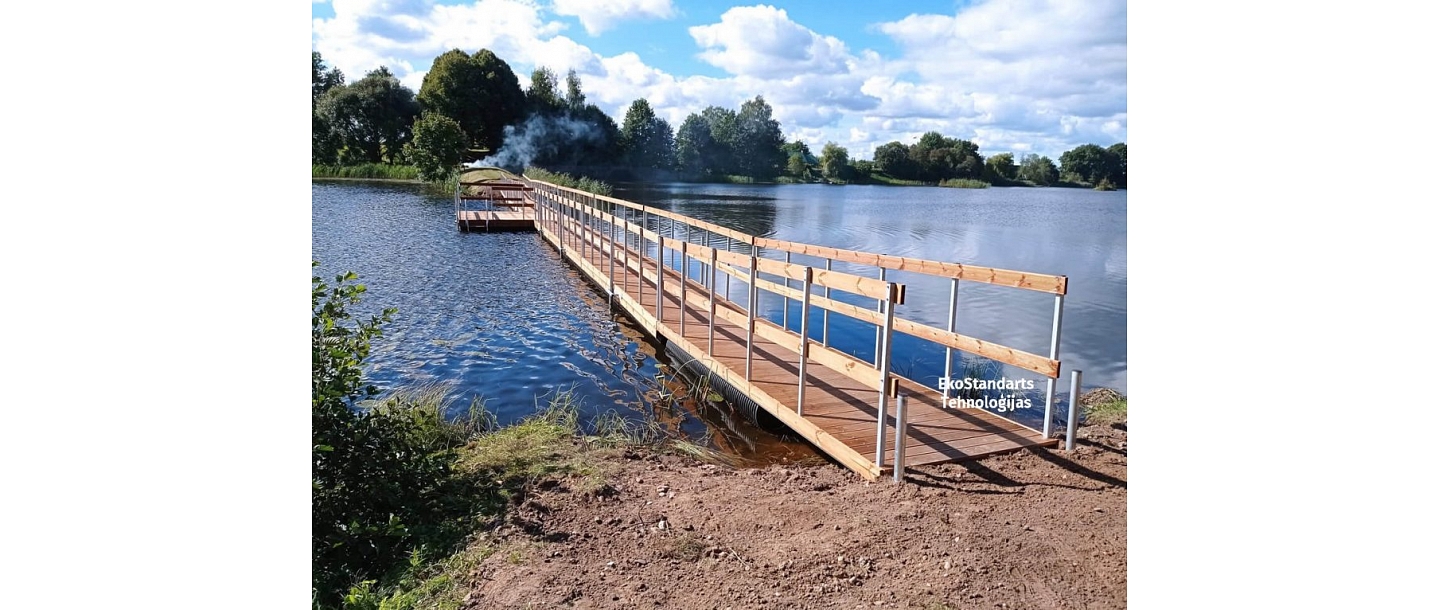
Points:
(1011, 75)
(600, 15)
(762, 41)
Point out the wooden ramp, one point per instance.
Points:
(843, 396)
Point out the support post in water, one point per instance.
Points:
(882, 359)
(881, 308)
(610, 238)
(899, 474)
(785, 311)
(804, 341)
(684, 282)
(825, 314)
(949, 351)
(659, 278)
(710, 346)
(1054, 355)
(1074, 410)
(750, 323)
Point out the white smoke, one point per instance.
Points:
(549, 139)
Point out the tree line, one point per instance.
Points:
(471, 107)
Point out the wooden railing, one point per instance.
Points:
(684, 245)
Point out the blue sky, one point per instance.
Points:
(1011, 75)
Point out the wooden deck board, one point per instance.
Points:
(837, 406)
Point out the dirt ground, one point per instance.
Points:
(1035, 529)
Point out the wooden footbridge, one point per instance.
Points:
(672, 274)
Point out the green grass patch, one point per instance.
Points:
(1104, 406)
(877, 177)
(584, 183)
(367, 171)
(964, 183)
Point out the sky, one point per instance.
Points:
(1015, 76)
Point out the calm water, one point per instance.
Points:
(501, 316)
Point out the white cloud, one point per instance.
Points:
(1010, 75)
(600, 15)
(762, 41)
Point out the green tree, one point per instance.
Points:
(937, 158)
(574, 97)
(1003, 165)
(371, 117)
(647, 139)
(479, 91)
(1038, 170)
(693, 144)
(321, 79)
(543, 95)
(798, 159)
(720, 156)
(894, 159)
(834, 162)
(1089, 163)
(758, 140)
(1119, 175)
(436, 147)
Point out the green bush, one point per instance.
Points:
(437, 146)
(584, 183)
(378, 475)
(965, 183)
(371, 171)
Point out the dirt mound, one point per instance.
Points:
(1036, 529)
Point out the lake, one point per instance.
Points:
(502, 317)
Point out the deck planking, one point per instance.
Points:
(837, 409)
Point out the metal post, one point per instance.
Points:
(825, 314)
(728, 248)
(640, 264)
(1074, 410)
(883, 360)
(659, 277)
(1054, 355)
(899, 471)
(785, 312)
(610, 234)
(804, 340)
(710, 347)
(684, 281)
(949, 351)
(750, 323)
(881, 306)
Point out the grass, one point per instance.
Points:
(878, 177)
(1104, 407)
(366, 171)
(965, 183)
(494, 468)
(584, 183)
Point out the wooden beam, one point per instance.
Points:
(1055, 284)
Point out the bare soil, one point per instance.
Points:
(1035, 529)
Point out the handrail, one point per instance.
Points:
(578, 223)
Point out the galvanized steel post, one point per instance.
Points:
(804, 340)
(949, 351)
(899, 470)
(883, 359)
(1054, 355)
(1074, 410)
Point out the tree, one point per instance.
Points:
(543, 96)
(834, 161)
(322, 80)
(479, 91)
(1003, 165)
(371, 117)
(720, 156)
(758, 140)
(574, 98)
(1038, 170)
(1119, 174)
(436, 147)
(1089, 163)
(647, 139)
(894, 159)
(798, 159)
(693, 144)
(937, 158)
